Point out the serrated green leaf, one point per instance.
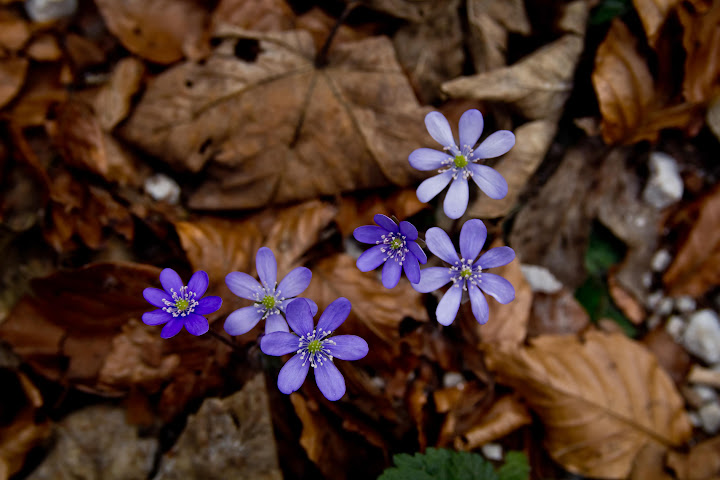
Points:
(608, 10)
(516, 467)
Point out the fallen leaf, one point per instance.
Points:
(701, 39)
(14, 31)
(162, 31)
(12, 77)
(490, 23)
(649, 463)
(257, 15)
(556, 314)
(412, 10)
(713, 116)
(276, 129)
(113, 101)
(653, 14)
(693, 270)
(601, 400)
(701, 463)
(42, 90)
(671, 356)
(625, 301)
(44, 48)
(506, 415)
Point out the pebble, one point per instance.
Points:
(685, 304)
(653, 300)
(452, 379)
(665, 186)
(492, 451)
(646, 279)
(163, 188)
(664, 307)
(675, 326)
(660, 261)
(702, 336)
(710, 417)
(541, 279)
(50, 10)
(705, 393)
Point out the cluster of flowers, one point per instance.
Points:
(395, 246)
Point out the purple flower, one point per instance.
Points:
(270, 298)
(314, 347)
(464, 274)
(391, 243)
(179, 304)
(460, 163)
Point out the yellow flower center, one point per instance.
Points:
(460, 161)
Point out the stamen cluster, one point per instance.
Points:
(183, 303)
(312, 346)
(394, 246)
(462, 272)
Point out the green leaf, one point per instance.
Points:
(609, 9)
(604, 250)
(516, 467)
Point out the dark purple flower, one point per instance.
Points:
(313, 347)
(460, 163)
(464, 274)
(179, 304)
(395, 246)
(270, 298)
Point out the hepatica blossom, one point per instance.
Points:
(270, 298)
(180, 304)
(395, 246)
(314, 347)
(465, 273)
(456, 163)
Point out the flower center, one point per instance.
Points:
(463, 272)
(268, 302)
(313, 347)
(396, 243)
(395, 246)
(460, 161)
(466, 272)
(182, 304)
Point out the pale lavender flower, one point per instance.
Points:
(458, 163)
(270, 298)
(180, 305)
(464, 274)
(314, 347)
(395, 246)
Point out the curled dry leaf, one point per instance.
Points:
(14, 31)
(670, 354)
(490, 22)
(112, 103)
(42, 90)
(12, 77)
(257, 15)
(506, 415)
(701, 39)
(701, 463)
(161, 31)
(601, 400)
(556, 314)
(275, 128)
(413, 10)
(693, 270)
(653, 14)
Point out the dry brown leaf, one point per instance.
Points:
(490, 22)
(653, 14)
(112, 103)
(14, 31)
(556, 314)
(701, 39)
(506, 415)
(413, 10)
(693, 270)
(257, 15)
(274, 128)
(649, 464)
(161, 31)
(532, 141)
(43, 89)
(625, 300)
(44, 48)
(320, 24)
(601, 400)
(12, 77)
(670, 355)
(702, 463)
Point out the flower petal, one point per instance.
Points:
(242, 285)
(334, 315)
(496, 257)
(429, 188)
(386, 222)
(369, 234)
(497, 287)
(295, 282)
(348, 347)
(196, 324)
(418, 252)
(456, 199)
(449, 305)
(279, 343)
(299, 316)
(242, 320)
(472, 238)
(199, 283)
(426, 159)
(371, 258)
(330, 381)
(171, 281)
(156, 296)
(266, 266)
(411, 268)
(439, 243)
(498, 143)
(439, 129)
(172, 328)
(471, 127)
(313, 306)
(292, 374)
(480, 308)
(489, 181)
(276, 323)
(156, 317)
(432, 278)
(208, 305)
(409, 230)
(391, 273)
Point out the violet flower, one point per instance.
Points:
(270, 298)
(460, 163)
(395, 246)
(464, 274)
(313, 347)
(180, 305)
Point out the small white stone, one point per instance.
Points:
(653, 300)
(710, 417)
(162, 188)
(694, 419)
(665, 186)
(705, 393)
(702, 336)
(492, 451)
(685, 304)
(50, 10)
(541, 279)
(378, 382)
(646, 279)
(665, 306)
(660, 261)
(675, 327)
(453, 379)
(653, 321)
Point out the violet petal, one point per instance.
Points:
(497, 287)
(276, 323)
(480, 308)
(439, 243)
(456, 199)
(208, 305)
(330, 381)
(242, 285)
(489, 181)
(426, 159)
(431, 279)
(279, 343)
(449, 305)
(496, 257)
(470, 128)
(411, 268)
(498, 143)
(172, 328)
(429, 188)
(334, 315)
(299, 316)
(196, 324)
(292, 374)
(266, 266)
(198, 283)
(391, 273)
(156, 296)
(472, 238)
(348, 347)
(386, 222)
(156, 317)
(372, 258)
(171, 281)
(439, 129)
(295, 282)
(409, 230)
(369, 234)
(242, 320)
(418, 252)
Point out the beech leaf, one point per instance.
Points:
(602, 400)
